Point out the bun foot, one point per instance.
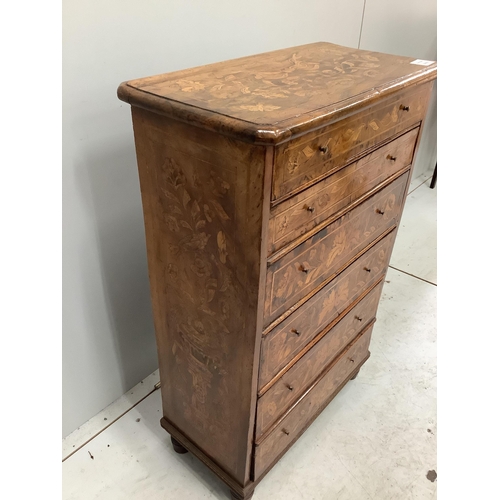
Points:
(355, 375)
(235, 496)
(178, 448)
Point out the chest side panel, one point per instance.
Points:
(203, 206)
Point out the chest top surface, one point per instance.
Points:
(267, 96)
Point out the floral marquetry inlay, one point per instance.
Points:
(290, 278)
(199, 275)
(272, 188)
(277, 86)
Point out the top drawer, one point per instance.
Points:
(315, 205)
(306, 159)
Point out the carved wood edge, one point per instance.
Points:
(323, 373)
(273, 258)
(320, 336)
(330, 278)
(272, 134)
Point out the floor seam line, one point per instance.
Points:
(108, 426)
(413, 276)
(420, 185)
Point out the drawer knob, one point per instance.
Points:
(289, 387)
(351, 360)
(392, 158)
(296, 332)
(310, 209)
(286, 432)
(323, 149)
(358, 318)
(404, 108)
(367, 269)
(304, 269)
(381, 212)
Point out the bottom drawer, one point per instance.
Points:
(298, 418)
(288, 389)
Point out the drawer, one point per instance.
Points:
(285, 341)
(306, 159)
(307, 266)
(297, 419)
(301, 213)
(288, 389)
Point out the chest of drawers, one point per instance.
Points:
(272, 189)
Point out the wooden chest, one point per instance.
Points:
(272, 189)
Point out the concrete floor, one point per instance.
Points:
(376, 440)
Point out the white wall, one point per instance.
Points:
(108, 339)
(406, 28)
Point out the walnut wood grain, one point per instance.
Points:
(272, 97)
(222, 150)
(291, 385)
(342, 190)
(309, 158)
(282, 345)
(305, 267)
(203, 198)
(299, 416)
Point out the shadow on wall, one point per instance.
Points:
(107, 177)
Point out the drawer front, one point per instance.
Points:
(308, 407)
(303, 269)
(284, 342)
(288, 389)
(295, 216)
(302, 161)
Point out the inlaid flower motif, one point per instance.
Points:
(173, 270)
(174, 175)
(201, 267)
(258, 107)
(221, 244)
(327, 306)
(282, 225)
(198, 241)
(229, 88)
(171, 223)
(292, 165)
(271, 93)
(190, 85)
(209, 214)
